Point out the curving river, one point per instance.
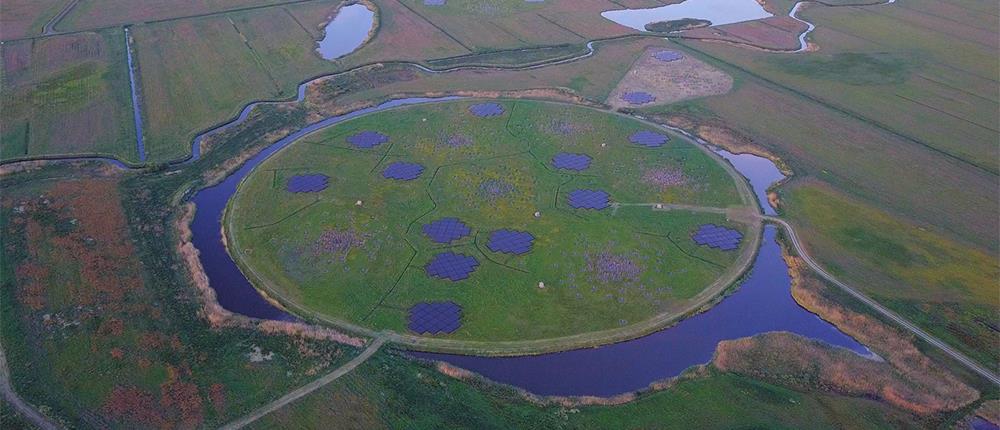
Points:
(763, 303)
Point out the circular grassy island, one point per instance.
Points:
(458, 225)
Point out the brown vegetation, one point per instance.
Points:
(908, 379)
(670, 82)
(718, 133)
(777, 33)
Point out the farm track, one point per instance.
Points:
(305, 390)
(50, 27)
(882, 310)
(10, 396)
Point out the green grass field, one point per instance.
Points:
(381, 274)
(67, 95)
(946, 286)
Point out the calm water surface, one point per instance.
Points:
(760, 171)
(346, 31)
(719, 12)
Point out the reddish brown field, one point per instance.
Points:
(404, 35)
(100, 339)
(774, 33)
(90, 14)
(23, 18)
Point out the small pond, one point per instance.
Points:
(719, 12)
(347, 31)
(760, 171)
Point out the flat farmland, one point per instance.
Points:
(67, 94)
(593, 77)
(198, 72)
(23, 18)
(483, 26)
(402, 35)
(947, 286)
(928, 78)
(90, 14)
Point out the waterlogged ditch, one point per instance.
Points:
(763, 303)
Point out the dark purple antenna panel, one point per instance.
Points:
(402, 171)
(638, 97)
(307, 183)
(367, 139)
(718, 237)
(510, 242)
(571, 161)
(446, 230)
(451, 266)
(668, 56)
(435, 317)
(486, 110)
(589, 199)
(648, 139)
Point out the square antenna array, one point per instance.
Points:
(638, 97)
(571, 161)
(718, 237)
(486, 110)
(367, 139)
(402, 171)
(451, 266)
(307, 183)
(435, 317)
(446, 230)
(589, 199)
(649, 139)
(510, 242)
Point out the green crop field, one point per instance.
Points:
(67, 95)
(601, 269)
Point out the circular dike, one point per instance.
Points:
(520, 240)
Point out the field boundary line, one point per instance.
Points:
(435, 26)
(874, 305)
(300, 392)
(844, 111)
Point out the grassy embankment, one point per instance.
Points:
(497, 177)
(67, 95)
(920, 183)
(389, 391)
